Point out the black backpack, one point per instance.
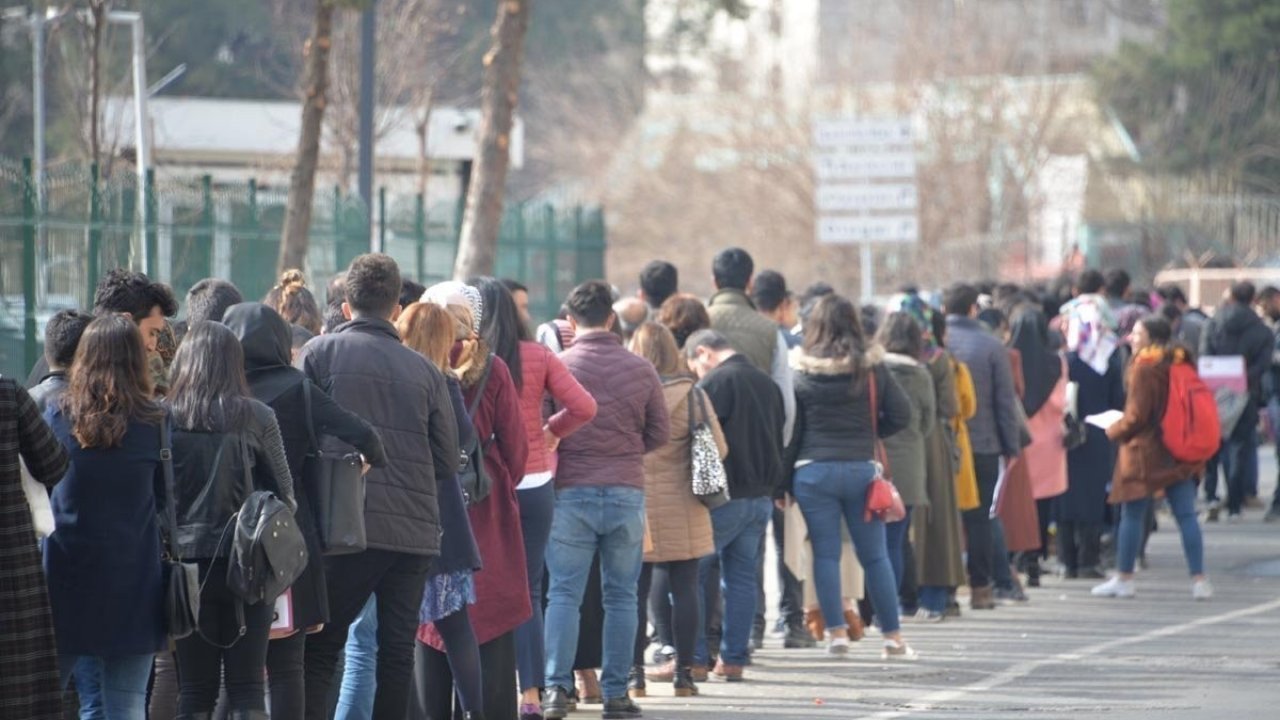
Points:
(268, 552)
(476, 483)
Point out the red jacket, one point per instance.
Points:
(544, 374)
(502, 586)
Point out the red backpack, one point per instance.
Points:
(1190, 425)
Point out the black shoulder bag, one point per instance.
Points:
(182, 579)
(335, 483)
(476, 483)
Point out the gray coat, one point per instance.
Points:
(996, 429)
(907, 449)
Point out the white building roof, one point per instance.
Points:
(213, 129)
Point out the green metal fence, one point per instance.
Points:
(58, 237)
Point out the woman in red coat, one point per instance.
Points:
(502, 588)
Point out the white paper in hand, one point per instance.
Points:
(1104, 420)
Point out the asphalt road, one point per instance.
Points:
(1063, 655)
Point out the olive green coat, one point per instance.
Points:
(906, 448)
(936, 531)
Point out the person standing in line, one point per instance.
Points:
(678, 522)
(266, 339)
(538, 374)
(659, 280)
(520, 295)
(994, 431)
(432, 330)
(750, 410)
(847, 401)
(1095, 367)
(600, 501)
(103, 562)
(226, 445)
(1145, 465)
(683, 315)
(295, 303)
(61, 338)
(29, 679)
(365, 368)
(903, 344)
(501, 585)
(1237, 330)
(209, 299)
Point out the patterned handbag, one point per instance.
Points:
(710, 483)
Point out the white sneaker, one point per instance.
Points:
(1115, 588)
(838, 646)
(898, 651)
(1201, 590)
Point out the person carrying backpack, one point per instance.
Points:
(1169, 429)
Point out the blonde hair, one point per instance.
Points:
(655, 343)
(294, 301)
(430, 330)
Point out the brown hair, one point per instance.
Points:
(110, 383)
(683, 315)
(294, 302)
(430, 330)
(834, 330)
(655, 343)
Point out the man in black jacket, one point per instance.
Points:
(1237, 330)
(749, 406)
(364, 367)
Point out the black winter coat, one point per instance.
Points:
(1237, 330)
(366, 369)
(749, 406)
(458, 549)
(833, 418)
(267, 343)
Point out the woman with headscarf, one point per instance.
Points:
(937, 535)
(1044, 401)
(1095, 369)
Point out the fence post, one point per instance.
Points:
(149, 229)
(28, 265)
(522, 244)
(553, 257)
(420, 234)
(337, 227)
(95, 233)
(382, 220)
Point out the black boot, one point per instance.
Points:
(472, 716)
(248, 715)
(683, 683)
(636, 682)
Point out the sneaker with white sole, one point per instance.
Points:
(927, 617)
(1202, 590)
(898, 651)
(1115, 588)
(838, 645)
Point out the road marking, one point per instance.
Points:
(1025, 668)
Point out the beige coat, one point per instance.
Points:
(679, 523)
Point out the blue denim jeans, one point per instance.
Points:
(1133, 517)
(934, 598)
(360, 673)
(739, 527)
(896, 541)
(537, 508)
(590, 519)
(831, 493)
(122, 683)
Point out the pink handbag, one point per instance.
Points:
(883, 501)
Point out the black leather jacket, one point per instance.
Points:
(213, 474)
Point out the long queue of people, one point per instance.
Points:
(489, 513)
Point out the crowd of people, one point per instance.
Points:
(542, 506)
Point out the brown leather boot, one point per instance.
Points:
(982, 598)
(815, 624)
(856, 629)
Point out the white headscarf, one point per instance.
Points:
(453, 292)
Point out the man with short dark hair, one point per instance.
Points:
(410, 292)
(756, 337)
(61, 338)
(1090, 282)
(659, 280)
(1237, 330)
(365, 368)
(772, 298)
(749, 407)
(600, 501)
(209, 299)
(1191, 321)
(1117, 287)
(994, 431)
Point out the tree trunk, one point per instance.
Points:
(422, 129)
(98, 15)
(478, 244)
(302, 183)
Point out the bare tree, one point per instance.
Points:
(478, 244)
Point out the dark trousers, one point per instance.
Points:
(1079, 545)
(435, 681)
(287, 679)
(791, 601)
(537, 507)
(1211, 477)
(712, 607)
(1240, 461)
(397, 579)
(203, 666)
(660, 611)
(685, 603)
(977, 522)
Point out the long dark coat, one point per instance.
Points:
(1090, 466)
(936, 531)
(29, 686)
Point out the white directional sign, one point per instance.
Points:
(863, 196)
(865, 173)
(840, 230)
(843, 133)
